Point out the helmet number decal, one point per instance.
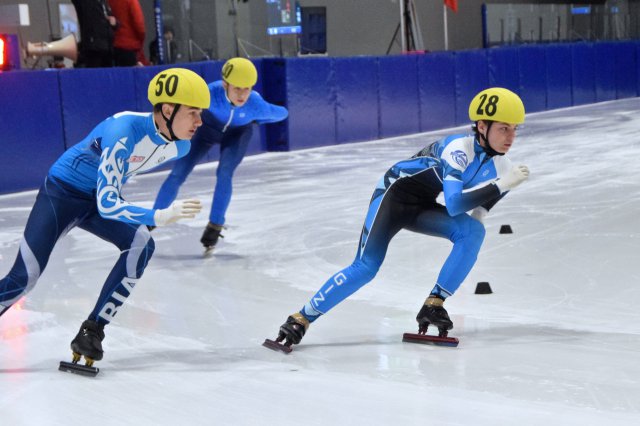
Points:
(169, 87)
(491, 107)
(227, 70)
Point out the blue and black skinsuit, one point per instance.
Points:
(405, 198)
(231, 127)
(83, 189)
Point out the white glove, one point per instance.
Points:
(513, 178)
(185, 209)
(479, 213)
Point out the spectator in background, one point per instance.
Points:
(97, 24)
(130, 32)
(170, 47)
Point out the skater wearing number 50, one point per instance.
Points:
(472, 172)
(84, 188)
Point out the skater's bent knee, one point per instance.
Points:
(476, 229)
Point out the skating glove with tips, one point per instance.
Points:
(513, 178)
(184, 209)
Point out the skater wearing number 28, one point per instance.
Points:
(473, 173)
(84, 188)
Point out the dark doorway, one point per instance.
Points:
(313, 39)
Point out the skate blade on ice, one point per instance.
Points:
(75, 368)
(426, 339)
(275, 346)
(82, 370)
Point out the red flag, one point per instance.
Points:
(452, 4)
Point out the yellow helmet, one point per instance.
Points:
(179, 86)
(240, 72)
(497, 104)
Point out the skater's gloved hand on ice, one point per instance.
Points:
(184, 209)
(479, 213)
(513, 178)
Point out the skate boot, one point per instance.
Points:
(433, 312)
(291, 332)
(210, 236)
(88, 342)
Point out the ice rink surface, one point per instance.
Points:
(557, 343)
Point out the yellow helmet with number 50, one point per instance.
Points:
(179, 86)
(497, 104)
(240, 72)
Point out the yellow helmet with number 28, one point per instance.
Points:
(179, 86)
(497, 104)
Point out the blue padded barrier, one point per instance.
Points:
(472, 76)
(311, 102)
(638, 67)
(357, 112)
(31, 133)
(330, 99)
(437, 86)
(399, 97)
(559, 93)
(275, 91)
(605, 67)
(533, 78)
(583, 74)
(88, 96)
(504, 68)
(626, 63)
(212, 71)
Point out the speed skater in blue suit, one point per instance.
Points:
(235, 113)
(83, 188)
(472, 172)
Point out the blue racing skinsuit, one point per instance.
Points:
(83, 188)
(405, 198)
(231, 127)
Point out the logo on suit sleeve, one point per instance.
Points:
(460, 158)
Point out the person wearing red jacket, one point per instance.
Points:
(130, 31)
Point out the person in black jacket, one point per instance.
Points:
(96, 33)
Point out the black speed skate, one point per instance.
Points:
(291, 332)
(87, 344)
(210, 237)
(432, 313)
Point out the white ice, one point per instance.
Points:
(557, 343)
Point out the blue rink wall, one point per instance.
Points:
(330, 100)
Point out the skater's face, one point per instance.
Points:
(237, 95)
(186, 121)
(500, 135)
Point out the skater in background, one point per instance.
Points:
(84, 188)
(405, 198)
(170, 48)
(236, 110)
